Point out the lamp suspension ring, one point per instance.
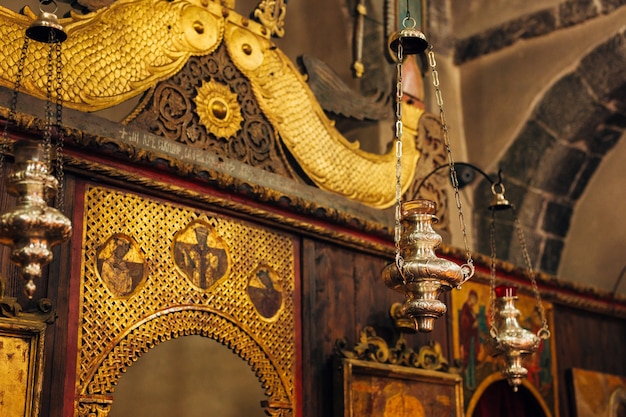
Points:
(494, 188)
(46, 3)
(410, 21)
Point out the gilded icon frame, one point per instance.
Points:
(377, 389)
(21, 367)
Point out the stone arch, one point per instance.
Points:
(172, 323)
(580, 118)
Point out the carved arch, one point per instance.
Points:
(171, 323)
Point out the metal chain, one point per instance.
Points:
(398, 146)
(543, 333)
(493, 331)
(5, 145)
(468, 267)
(47, 132)
(60, 197)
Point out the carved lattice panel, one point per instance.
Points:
(153, 270)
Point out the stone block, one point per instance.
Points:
(556, 219)
(569, 110)
(603, 140)
(603, 68)
(534, 243)
(523, 156)
(551, 256)
(577, 11)
(609, 5)
(589, 168)
(559, 169)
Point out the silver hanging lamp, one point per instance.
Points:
(417, 272)
(510, 339)
(32, 228)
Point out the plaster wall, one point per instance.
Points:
(594, 251)
(471, 17)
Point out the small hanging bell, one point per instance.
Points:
(46, 28)
(413, 40)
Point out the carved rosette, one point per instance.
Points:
(218, 109)
(210, 105)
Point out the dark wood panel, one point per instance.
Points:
(342, 292)
(57, 333)
(588, 341)
(327, 314)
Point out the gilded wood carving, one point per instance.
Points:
(379, 380)
(179, 272)
(200, 107)
(376, 349)
(157, 39)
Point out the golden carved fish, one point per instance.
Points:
(118, 52)
(328, 158)
(115, 53)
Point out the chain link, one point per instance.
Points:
(398, 147)
(47, 132)
(468, 267)
(54, 69)
(543, 333)
(5, 145)
(60, 197)
(493, 331)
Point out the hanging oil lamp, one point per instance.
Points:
(422, 276)
(511, 340)
(417, 272)
(32, 227)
